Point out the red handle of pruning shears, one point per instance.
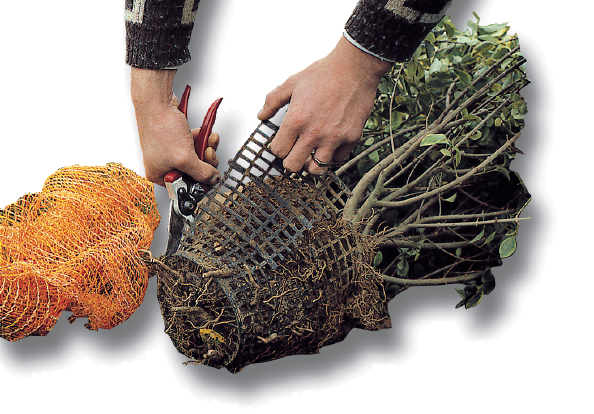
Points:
(201, 141)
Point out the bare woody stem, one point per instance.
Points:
(434, 282)
(456, 224)
(448, 245)
(458, 181)
(468, 223)
(352, 162)
(350, 209)
(420, 223)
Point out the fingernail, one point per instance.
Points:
(215, 180)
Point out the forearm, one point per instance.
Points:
(151, 87)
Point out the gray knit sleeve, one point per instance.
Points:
(393, 29)
(158, 32)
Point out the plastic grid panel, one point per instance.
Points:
(263, 223)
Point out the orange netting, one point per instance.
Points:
(76, 246)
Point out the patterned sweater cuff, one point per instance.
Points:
(393, 29)
(158, 32)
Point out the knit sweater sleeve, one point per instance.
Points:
(158, 32)
(393, 29)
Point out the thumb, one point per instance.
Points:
(202, 171)
(275, 100)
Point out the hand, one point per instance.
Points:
(166, 140)
(330, 101)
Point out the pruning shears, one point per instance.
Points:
(185, 192)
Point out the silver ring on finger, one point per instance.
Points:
(320, 163)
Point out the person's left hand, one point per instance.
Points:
(330, 102)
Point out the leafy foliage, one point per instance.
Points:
(431, 176)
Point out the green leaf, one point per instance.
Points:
(377, 259)
(469, 59)
(457, 156)
(493, 29)
(507, 247)
(464, 77)
(503, 171)
(446, 152)
(431, 139)
(451, 199)
(385, 86)
(465, 39)
(478, 236)
(471, 117)
(500, 32)
(500, 52)
(487, 38)
(371, 123)
(374, 156)
(410, 71)
(435, 155)
(397, 119)
(475, 299)
(369, 141)
(402, 267)
(473, 27)
(364, 166)
(500, 228)
(436, 66)
(487, 134)
(430, 50)
(449, 28)
(484, 47)
(488, 282)
(490, 238)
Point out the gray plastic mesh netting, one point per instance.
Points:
(267, 268)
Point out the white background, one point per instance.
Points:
(527, 348)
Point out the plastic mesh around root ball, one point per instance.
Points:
(76, 246)
(267, 269)
(260, 206)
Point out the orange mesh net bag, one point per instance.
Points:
(78, 245)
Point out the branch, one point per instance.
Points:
(466, 223)
(404, 226)
(434, 282)
(386, 166)
(351, 163)
(439, 246)
(458, 181)
(350, 208)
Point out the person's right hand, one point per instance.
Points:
(166, 140)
